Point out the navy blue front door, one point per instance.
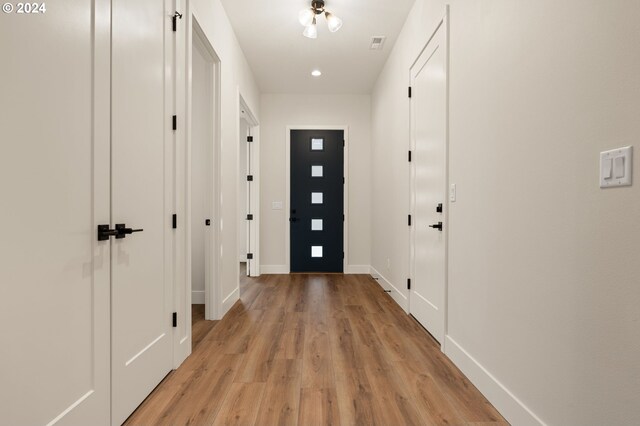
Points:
(317, 200)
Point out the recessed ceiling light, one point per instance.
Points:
(316, 73)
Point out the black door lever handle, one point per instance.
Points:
(293, 219)
(104, 233)
(123, 231)
(437, 226)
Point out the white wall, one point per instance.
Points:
(279, 111)
(202, 134)
(544, 290)
(236, 78)
(242, 191)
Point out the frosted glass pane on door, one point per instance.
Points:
(316, 198)
(317, 171)
(317, 144)
(316, 251)
(316, 224)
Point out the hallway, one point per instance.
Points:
(385, 212)
(316, 350)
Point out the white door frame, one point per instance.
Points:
(444, 23)
(182, 252)
(213, 305)
(253, 197)
(287, 202)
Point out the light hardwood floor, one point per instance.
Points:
(316, 350)
(199, 326)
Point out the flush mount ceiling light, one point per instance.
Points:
(307, 18)
(316, 73)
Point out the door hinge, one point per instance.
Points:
(409, 155)
(343, 218)
(249, 138)
(409, 91)
(174, 319)
(207, 222)
(249, 256)
(175, 18)
(175, 122)
(344, 181)
(174, 221)
(249, 217)
(343, 143)
(343, 255)
(408, 283)
(250, 178)
(409, 217)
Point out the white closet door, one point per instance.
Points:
(142, 334)
(429, 121)
(54, 189)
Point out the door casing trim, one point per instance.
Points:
(287, 201)
(253, 199)
(182, 196)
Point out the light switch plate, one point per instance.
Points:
(453, 193)
(616, 167)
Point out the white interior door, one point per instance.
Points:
(54, 184)
(429, 121)
(142, 352)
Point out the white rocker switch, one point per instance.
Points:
(607, 168)
(616, 167)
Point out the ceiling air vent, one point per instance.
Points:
(377, 42)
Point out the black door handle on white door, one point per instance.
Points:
(437, 226)
(104, 233)
(123, 231)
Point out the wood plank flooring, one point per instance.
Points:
(316, 350)
(199, 326)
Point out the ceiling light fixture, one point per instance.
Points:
(307, 18)
(316, 73)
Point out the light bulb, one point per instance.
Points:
(306, 17)
(311, 31)
(333, 22)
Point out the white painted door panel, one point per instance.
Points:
(429, 120)
(54, 188)
(141, 293)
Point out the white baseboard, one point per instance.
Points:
(357, 269)
(197, 297)
(282, 269)
(228, 301)
(273, 269)
(505, 402)
(399, 296)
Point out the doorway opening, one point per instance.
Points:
(248, 193)
(202, 160)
